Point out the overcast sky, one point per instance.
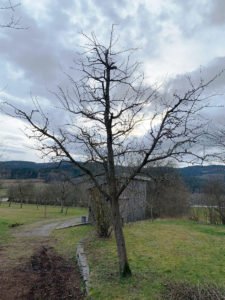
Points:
(174, 37)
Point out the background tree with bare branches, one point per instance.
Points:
(112, 118)
(214, 201)
(7, 12)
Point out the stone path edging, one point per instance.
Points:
(83, 265)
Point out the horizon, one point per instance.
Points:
(163, 166)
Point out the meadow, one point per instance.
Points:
(162, 252)
(15, 216)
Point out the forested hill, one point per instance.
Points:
(194, 176)
(31, 170)
(203, 170)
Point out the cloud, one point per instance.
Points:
(14, 145)
(214, 71)
(216, 15)
(174, 38)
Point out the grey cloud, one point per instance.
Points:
(216, 15)
(35, 53)
(49, 46)
(40, 53)
(13, 150)
(11, 137)
(213, 95)
(196, 17)
(215, 68)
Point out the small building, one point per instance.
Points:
(133, 201)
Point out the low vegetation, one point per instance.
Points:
(14, 216)
(67, 239)
(170, 259)
(186, 291)
(161, 253)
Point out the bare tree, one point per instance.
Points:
(62, 192)
(106, 110)
(21, 192)
(168, 195)
(214, 200)
(8, 9)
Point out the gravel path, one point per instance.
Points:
(42, 229)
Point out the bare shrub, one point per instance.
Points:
(214, 194)
(195, 214)
(168, 195)
(21, 192)
(186, 291)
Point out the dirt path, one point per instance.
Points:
(44, 229)
(31, 269)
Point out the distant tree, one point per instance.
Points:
(79, 194)
(167, 194)
(67, 192)
(0, 193)
(62, 191)
(21, 192)
(44, 196)
(214, 199)
(105, 110)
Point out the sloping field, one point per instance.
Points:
(160, 253)
(14, 216)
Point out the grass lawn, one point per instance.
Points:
(3, 192)
(29, 214)
(166, 250)
(159, 252)
(67, 239)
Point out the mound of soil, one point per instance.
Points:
(46, 276)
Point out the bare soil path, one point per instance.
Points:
(31, 269)
(44, 229)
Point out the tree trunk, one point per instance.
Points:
(66, 211)
(124, 267)
(45, 210)
(222, 215)
(62, 206)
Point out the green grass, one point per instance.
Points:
(3, 192)
(162, 251)
(158, 252)
(29, 214)
(67, 239)
(4, 231)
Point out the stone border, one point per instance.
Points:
(83, 265)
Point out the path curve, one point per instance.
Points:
(43, 229)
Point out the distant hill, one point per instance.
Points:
(31, 170)
(194, 176)
(203, 170)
